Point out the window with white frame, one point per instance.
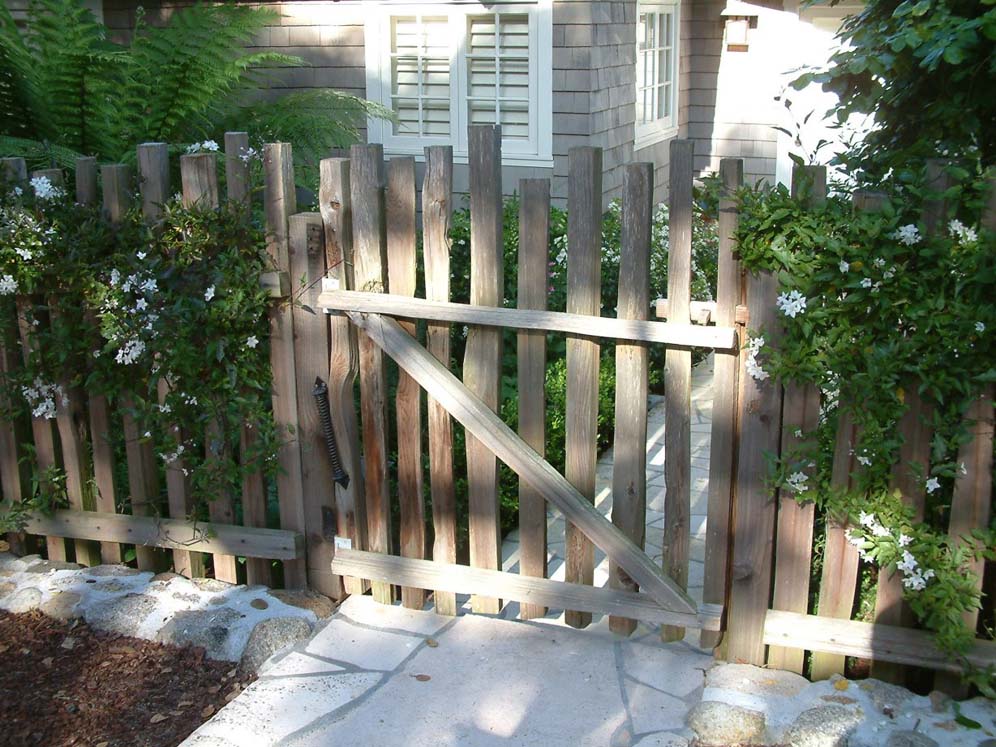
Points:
(442, 67)
(656, 71)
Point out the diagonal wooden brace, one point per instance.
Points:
(487, 427)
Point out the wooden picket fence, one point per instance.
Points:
(357, 259)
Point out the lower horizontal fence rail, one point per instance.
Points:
(175, 534)
(868, 641)
(462, 579)
(669, 333)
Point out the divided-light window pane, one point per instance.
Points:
(655, 69)
(498, 72)
(420, 75)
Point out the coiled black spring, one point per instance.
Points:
(321, 395)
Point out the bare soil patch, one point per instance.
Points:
(65, 684)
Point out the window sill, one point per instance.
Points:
(652, 136)
(507, 159)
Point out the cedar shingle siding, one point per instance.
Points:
(594, 80)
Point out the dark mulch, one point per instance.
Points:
(65, 684)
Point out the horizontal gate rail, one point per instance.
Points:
(684, 335)
(868, 641)
(175, 534)
(462, 579)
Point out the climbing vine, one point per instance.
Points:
(167, 320)
(872, 308)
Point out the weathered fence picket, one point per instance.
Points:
(584, 252)
(401, 240)
(337, 218)
(794, 528)
(280, 202)
(143, 474)
(678, 375)
(533, 271)
(725, 405)
(366, 186)
(306, 252)
(237, 182)
(437, 212)
(629, 465)
(754, 515)
(482, 362)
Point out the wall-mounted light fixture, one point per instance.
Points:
(741, 18)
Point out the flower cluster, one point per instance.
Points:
(44, 189)
(798, 481)
(41, 397)
(964, 234)
(907, 235)
(792, 303)
(754, 369)
(208, 146)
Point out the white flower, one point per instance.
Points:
(210, 145)
(165, 408)
(844, 266)
(115, 277)
(797, 481)
(932, 484)
(791, 303)
(866, 283)
(44, 189)
(130, 352)
(140, 255)
(41, 396)
(141, 304)
(980, 327)
(23, 253)
(209, 293)
(867, 519)
(864, 461)
(252, 341)
(171, 457)
(17, 191)
(7, 285)
(753, 368)
(880, 531)
(889, 274)
(248, 154)
(194, 148)
(908, 564)
(798, 433)
(904, 540)
(878, 262)
(149, 286)
(963, 233)
(908, 235)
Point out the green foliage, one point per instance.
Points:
(925, 71)
(886, 311)
(167, 320)
(65, 90)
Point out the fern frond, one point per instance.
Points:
(315, 121)
(38, 154)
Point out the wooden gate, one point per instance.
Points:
(383, 223)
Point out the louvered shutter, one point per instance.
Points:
(498, 72)
(420, 75)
